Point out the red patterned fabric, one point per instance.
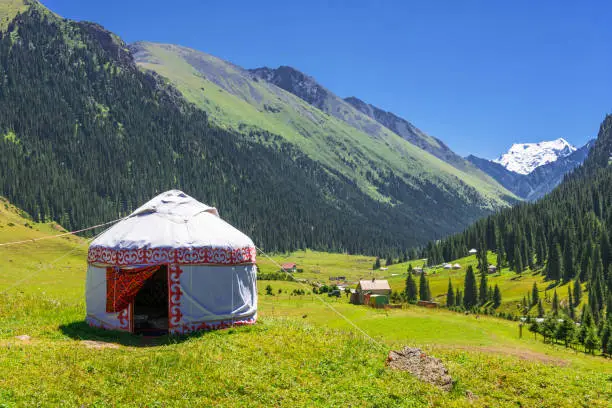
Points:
(123, 285)
(183, 256)
(175, 294)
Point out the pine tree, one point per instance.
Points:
(555, 304)
(482, 293)
(606, 249)
(450, 295)
(540, 309)
(423, 288)
(470, 294)
(577, 292)
(410, 268)
(411, 288)
(535, 296)
(518, 260)
(389, 261)
(570, 303)
(376, 265)
(565, 331)
(458, 298)
(497, 298)
(554, 267)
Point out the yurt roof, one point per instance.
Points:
(172, 228)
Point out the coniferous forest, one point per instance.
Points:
(566, 235)
(86, 137)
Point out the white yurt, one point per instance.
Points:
(172, 266)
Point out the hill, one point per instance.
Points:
(300, 353)
(85, 136)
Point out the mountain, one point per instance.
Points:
(86, 135)
(294, 106)
(565, 236)
(523, 158)
(363, 116)
(378, 161)
(410, 133)
(540, 181)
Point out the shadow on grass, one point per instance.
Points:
(80, 330)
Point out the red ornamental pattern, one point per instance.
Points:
(125, 318)
(175, 294)
(183, 256)
(123, 285)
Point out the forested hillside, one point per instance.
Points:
(566, 234)
(85, 136)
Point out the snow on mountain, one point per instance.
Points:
(523, 158)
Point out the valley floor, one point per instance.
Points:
(300, 353)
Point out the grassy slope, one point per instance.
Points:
(299, 354)
(323, 137)
(8, 10)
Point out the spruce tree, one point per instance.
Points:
(450, 295)
(470, 291)
(540, 308)
(458, 298)
(411, 288)
(518, 260)
(423, 288)
(376, 265)
(570, 303)
(606, 249)
(535, 296)
(482, 293)
(555, 304)
(554, 267)
(497, 298)
(568, 262)
(577, 292)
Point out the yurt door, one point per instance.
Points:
(151, 305)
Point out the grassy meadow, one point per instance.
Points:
(300, 353)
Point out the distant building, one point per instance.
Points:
(456, 266)
(289, 267)
(492, 268)
(365, 288)
(447, 266)
(473, 251)
(417, 270)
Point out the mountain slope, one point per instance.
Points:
(239, 99)
(9, 9)
(409, 132)
(523, 158)
(540, 181)
(86, 136)
(566, 235)
(359, 115)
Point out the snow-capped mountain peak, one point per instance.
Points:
(523, 158)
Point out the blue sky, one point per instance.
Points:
(480, 75)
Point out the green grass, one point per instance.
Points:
(236, 101)
(8, 10)
(300, 353)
